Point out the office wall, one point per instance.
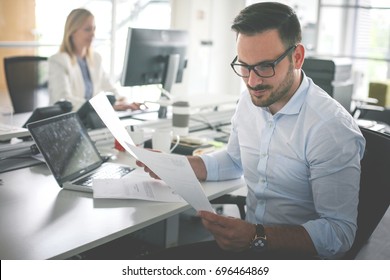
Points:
(17, 23)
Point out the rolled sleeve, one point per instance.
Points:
(220, 166)
(335, 177)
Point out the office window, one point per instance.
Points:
(359, 29)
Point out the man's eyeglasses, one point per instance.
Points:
(264, 69)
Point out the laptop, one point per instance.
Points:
(70, 153)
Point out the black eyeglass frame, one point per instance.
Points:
(253, 67)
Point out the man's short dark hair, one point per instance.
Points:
(264, 16)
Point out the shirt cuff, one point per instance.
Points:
(211, 166)
(327, 244)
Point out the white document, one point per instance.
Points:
(136, 185)
(107, 113)
(174, 170)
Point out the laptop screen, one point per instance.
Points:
(66, 146)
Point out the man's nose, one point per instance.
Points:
(254, 79)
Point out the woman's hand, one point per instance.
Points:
(121, 105)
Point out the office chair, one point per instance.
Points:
(238, 200)
(374, 194)
(379, 114)
(27, 82)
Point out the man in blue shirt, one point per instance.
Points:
(298, 149)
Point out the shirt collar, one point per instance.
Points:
(294, 105)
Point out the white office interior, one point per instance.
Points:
(354, 34)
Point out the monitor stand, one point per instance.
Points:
(170, 77)
(163, 110)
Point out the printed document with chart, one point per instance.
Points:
(135, 185)
(166, 166)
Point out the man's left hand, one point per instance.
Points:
(230, 233)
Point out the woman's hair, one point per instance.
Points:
(264, 16)
(74, 21)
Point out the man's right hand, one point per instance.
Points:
(147, 169)
(196, 164)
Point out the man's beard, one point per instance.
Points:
(279, 93)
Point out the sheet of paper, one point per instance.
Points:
(174, 170)
(106, 112)
(136, 185)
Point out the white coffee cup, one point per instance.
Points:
(180, 117)
(137, 135)
(162, 140)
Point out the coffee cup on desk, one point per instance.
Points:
(136, 134)
(180, 118)
(162, 140)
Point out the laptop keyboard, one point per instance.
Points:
(105, 172)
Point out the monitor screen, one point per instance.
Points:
(154, 57)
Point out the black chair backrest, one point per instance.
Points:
(374, 195)
(27, 82)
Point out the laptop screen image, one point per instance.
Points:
(66, 146)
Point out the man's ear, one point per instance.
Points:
(298, 56)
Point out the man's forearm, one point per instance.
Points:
(289, 239)
(198, 166)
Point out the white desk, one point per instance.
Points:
(39, 220)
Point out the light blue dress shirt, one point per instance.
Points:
(301, 165)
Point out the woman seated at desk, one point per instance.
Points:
(75, 72)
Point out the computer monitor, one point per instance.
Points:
(88, 115)
(155, 57)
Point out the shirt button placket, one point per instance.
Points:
(262, 166)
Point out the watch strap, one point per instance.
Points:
(259, 242)
(260, 231)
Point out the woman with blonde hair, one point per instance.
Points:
(76, 73)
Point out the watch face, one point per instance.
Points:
(259, 245)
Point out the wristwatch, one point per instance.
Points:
(259, 242)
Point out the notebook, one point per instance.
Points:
(70, 153)
(8, 132)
